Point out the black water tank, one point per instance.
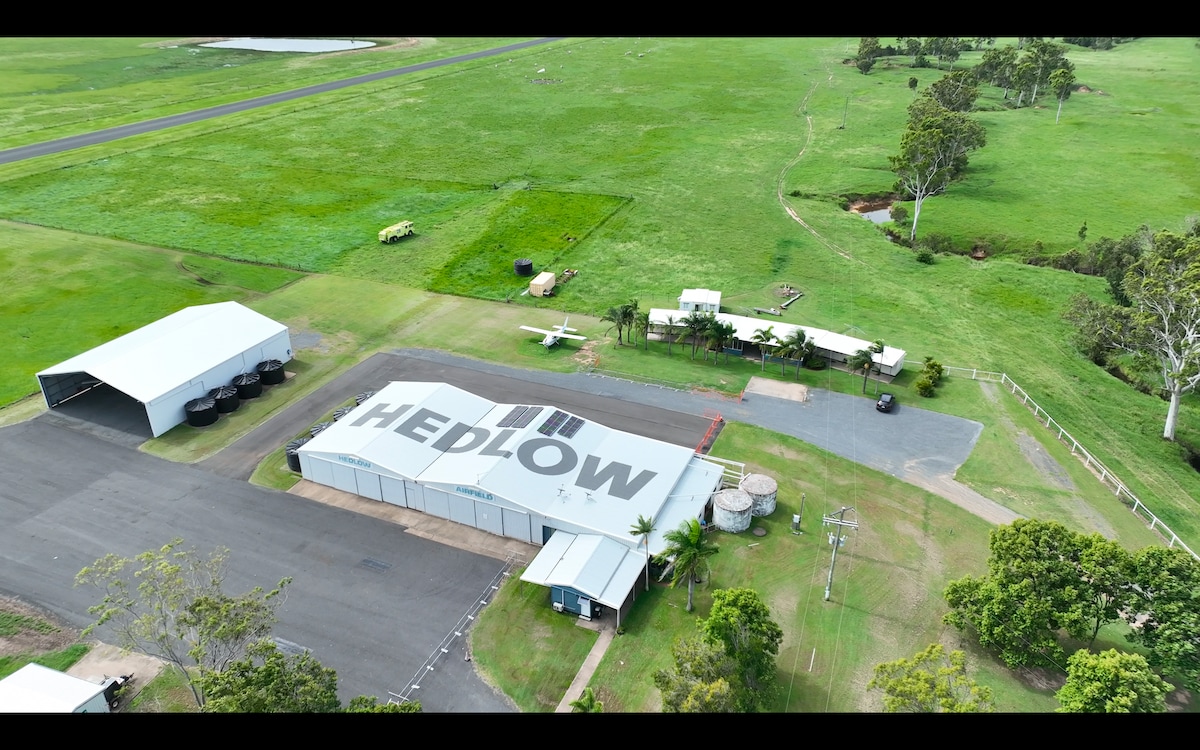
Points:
(201, 412)
(292, 453)
(339, 413)
(271, 371)
(248, 384)
(363, 397)
(523, 266)
(226, 397)
(318, 427)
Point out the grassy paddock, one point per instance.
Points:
(527, 649)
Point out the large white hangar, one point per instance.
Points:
(173, 360)
(534, 473)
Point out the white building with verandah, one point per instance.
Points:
(835, 347)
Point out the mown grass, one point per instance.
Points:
(59, 660)
(886, 597)
(167, 693)
(66, 293)
(12, 623)
(52, 88)
(527, 649)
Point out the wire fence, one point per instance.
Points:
(409, 693)
(1105, 474)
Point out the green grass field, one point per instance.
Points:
(651, 172)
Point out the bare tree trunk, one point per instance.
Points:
(1172, 413)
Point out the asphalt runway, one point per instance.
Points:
(149, 126)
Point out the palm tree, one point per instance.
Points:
(725, 331)
(696, 324)
(798, 346)
(629, 314)
(762, 339)
(586, 703)
(641, 323)
(613, 316)
(671, 321)
(642, 528)
(687, 553)
(864, 359)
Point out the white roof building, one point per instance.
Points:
(700, 300)
(173, 360)
(828, 344)
(34, 689)
(521, 471)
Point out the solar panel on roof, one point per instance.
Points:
(525, 419)
(512, 416)
(571, 427)
(553, 423)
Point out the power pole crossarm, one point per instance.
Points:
(838, 521)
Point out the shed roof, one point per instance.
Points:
(701, 297)
(37, 689)
(155, 359)
(595, 566)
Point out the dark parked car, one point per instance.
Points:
(886, 402)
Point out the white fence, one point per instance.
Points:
(1100, 470)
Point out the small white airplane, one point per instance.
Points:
(559, 332)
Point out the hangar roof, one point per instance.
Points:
(539, 457)
(157, 358)
(745, 328)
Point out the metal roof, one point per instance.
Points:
(701, 297)
(745, 328)
(37, 689)
(538, 457)
(157, 358)
(595, 566)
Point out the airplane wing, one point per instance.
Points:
(544, 332)
(564, 328)
(572, 336)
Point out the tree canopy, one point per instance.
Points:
(741, 622)
(1161, 328)
(699, 679)
(268, 681)
(170, 603)
(933, 150)
(930, 682)
(1111, 682)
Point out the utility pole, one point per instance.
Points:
(836, 539)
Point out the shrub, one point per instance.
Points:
(815, 363)
(925, 256)
(898, 213)
(924, 387)
(933, 370)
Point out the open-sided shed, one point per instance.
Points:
(171, 361)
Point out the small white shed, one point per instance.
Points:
(700, 300)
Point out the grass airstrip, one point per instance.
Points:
(651, 165)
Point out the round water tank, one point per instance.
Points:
(248, 384)
(318, 427)
(201, 412)
(292, 451)
(339, 413)
(523, 266)
(762, 490)
(731, 510)
(226, 397)
(271, 371)
(363, 397)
